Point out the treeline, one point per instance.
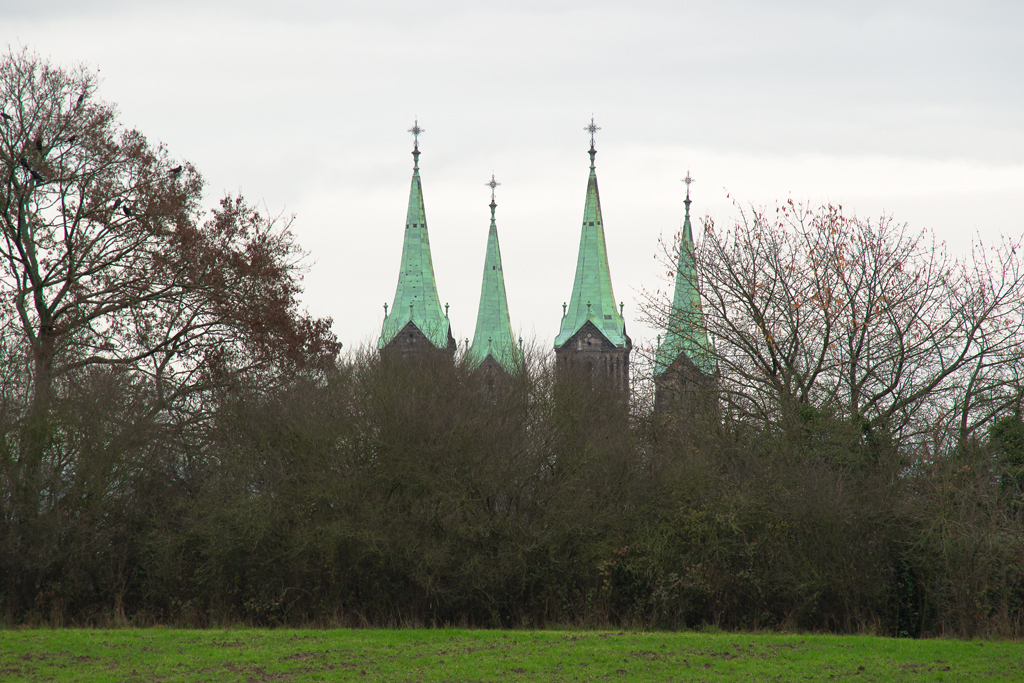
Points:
(180, 443)
(390, 493)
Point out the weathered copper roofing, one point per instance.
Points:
(592, 295)
(685, 333)
(493, 335)
(416, 297)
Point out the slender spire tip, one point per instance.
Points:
(416, 130)
(492, 184)
(688, 180)
(592, 129)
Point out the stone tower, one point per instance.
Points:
(494, 348)
(684, 367)
(416, 324)
(593, 335)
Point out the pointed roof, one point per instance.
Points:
(493, 335)
(416, 297)
(592, 295)
(685, 333)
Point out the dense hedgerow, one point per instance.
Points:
(399, 492)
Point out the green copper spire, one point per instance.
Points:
(592, 295)
(493, 335)
(685, 333)
(416, 297)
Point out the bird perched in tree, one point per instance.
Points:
(71, 140)
(7, 117)
(36, 176)
(127, 210)
(117, 203)
(39, 144)
(176, 170)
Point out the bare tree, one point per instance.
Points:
(111, 278)
(813, 309)
(105, 259)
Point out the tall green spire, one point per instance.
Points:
(416, 297)
(592, 295)
(493, 335)
(685, 333)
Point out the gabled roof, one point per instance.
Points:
(493, 335)
(416, 297)
(592, 295)
(685, 333)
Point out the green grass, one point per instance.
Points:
(461, 655)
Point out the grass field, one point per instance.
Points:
(463, 655)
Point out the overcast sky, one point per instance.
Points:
(914, 109)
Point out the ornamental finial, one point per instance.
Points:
(416, 130)
(688, 179)
(492, 184)
(592, 129)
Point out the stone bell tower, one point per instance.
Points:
(593, 335)
(416, 324)
(685, 377)
(494, 348)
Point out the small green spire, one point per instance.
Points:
(592, 295)
(416, 297)
(685, 333)
(492, 320)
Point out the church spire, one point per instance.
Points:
(416, 299)
(493, 336)
(592, 296)
(685, 333)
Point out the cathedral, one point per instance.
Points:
(592, 336)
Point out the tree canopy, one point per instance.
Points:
(812, 310)
(109, 262)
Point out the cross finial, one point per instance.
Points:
(592, 129)
(416, 130)
(492, 184)
(688, 179)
